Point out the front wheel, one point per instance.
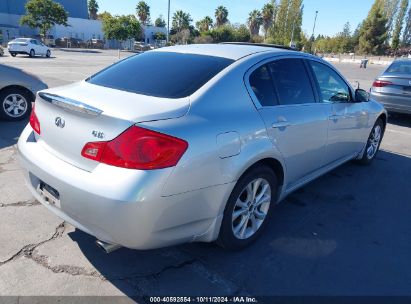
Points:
(15, 104)
(32, 53)
(248, 208)
(13, 54)
(48, 54)
(373, 143)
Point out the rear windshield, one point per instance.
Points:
(161, 74)
(400, 67)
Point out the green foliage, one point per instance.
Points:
(159, 22)
(205, 24)
(221, 16)
(93, 9)
(229, 33)
(406, 38)
(268, 14)
(374, 31)
(143, 12)
(255, 20)
(44, 14)
(181, 21)
(398, 24)
(160, 36)
(288, 21)
(121, 28)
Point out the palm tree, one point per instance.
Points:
(268, 14)
(93, 9)
(205, 24)
(221, 14)
(181, 21)
(255, 20)
(143, 12)
(160, 22)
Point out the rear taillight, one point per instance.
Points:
(34, 121)
(138, 148)
(381, 83)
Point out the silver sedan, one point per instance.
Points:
(393, 87)
(17, 92)
(193, 143)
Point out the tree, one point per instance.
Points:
(374, 31)
(121, 28)
(205, 24)
(399, 21)
(255, 20)
(181, 26)
(160, 36)
(268, 15)
(221, 16)
(406, 38)
(143, 12)
(44, 14)
(390, 9)
(93, 9)
(160, 22)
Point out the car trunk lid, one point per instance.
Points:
(74, 115)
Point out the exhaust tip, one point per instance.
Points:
(107, 247)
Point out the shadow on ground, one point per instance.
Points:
(402, 120)
(10, 132)
(346, 233)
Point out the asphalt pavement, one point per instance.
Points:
(347, 233)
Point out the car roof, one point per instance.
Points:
(229, 51)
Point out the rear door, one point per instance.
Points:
(347, 119)
(296, 123)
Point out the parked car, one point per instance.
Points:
(1, 51)
(17, 92)
(393, 87)
(49, 40)
(29, 46)
(199, 147)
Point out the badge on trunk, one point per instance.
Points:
(60, 122)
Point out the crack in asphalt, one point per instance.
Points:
(28, 203)
(27, 250)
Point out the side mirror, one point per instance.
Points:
(361, 95)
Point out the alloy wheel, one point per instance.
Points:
(15, 105)
(251, 208)
(374, 141)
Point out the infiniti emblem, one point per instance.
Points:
(60, 122)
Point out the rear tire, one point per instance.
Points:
(13, 54)
(32, 53)
(15, 104)
(373, 143)
(48, 54)
(248, 209)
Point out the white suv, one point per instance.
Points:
(29, 46)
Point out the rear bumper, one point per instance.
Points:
(122, 206)
(398, 104)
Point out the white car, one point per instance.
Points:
(29, 46)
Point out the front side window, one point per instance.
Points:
(262, 85)
(161, 74)
(332, 87)
(292, 82)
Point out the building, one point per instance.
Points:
(80, 26)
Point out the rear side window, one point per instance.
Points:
(292, 82)
(262, 85)
(161, 74)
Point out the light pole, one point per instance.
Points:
(168, 23)
(315, 21)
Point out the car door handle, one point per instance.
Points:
(336, 117)
(280, 125)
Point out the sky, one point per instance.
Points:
(332, 14)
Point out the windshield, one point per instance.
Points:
(161, 74)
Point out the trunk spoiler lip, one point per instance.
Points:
(70, 104)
